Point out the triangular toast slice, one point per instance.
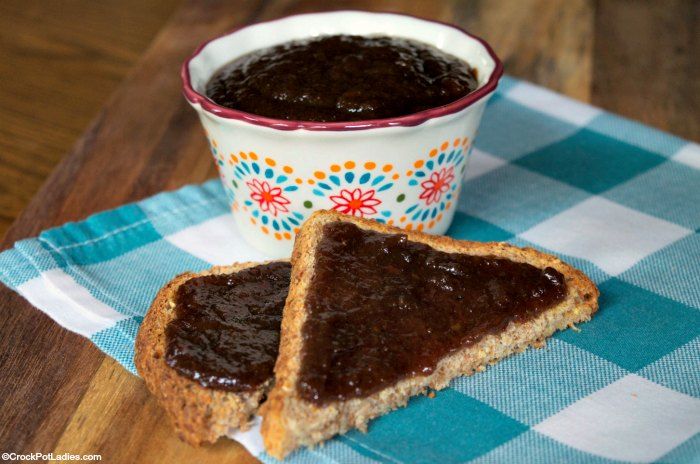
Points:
(204, 404)
(376, 315)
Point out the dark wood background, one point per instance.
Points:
(116, 62)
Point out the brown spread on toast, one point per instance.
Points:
(225, 334)
(382, 308)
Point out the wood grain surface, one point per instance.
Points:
(61, 61)
(61, 394)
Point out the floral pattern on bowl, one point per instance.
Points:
(277, 201)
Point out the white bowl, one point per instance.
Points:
(406, 171)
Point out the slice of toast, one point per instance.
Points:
(198, 414)
(289, 420)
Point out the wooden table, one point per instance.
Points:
(57, 391)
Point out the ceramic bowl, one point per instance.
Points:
(405, 171)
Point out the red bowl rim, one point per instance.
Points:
(282, 124)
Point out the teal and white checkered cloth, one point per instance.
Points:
(617, 199)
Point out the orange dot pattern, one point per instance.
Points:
(463, 141)
(349, 165)
(278, 235)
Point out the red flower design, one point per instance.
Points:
(270, 199)
(438, 184)
(356, 202)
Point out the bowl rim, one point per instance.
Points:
(408, 120)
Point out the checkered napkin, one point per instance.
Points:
(619, 200)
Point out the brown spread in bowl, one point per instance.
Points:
(342, 78)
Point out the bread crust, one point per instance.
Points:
(289, 421)
(198, 414)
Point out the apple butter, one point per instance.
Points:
(381, 308)
(226, 329)
(342, 78)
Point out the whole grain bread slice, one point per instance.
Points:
(289, 421)
(198, 414)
